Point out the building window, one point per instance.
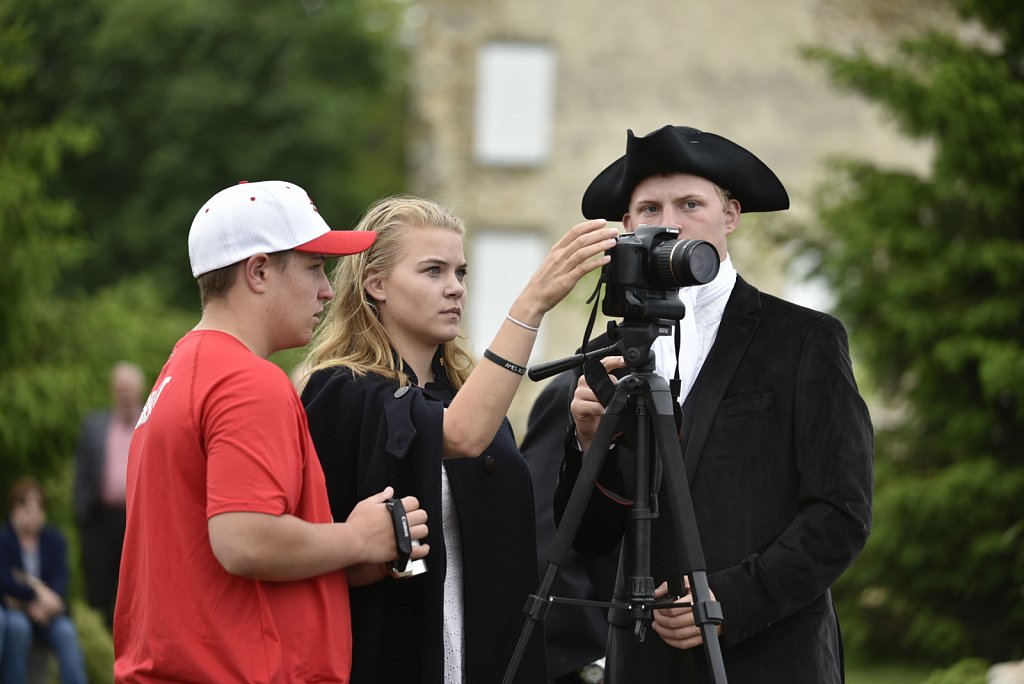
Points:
(500, 264)
(515, 99)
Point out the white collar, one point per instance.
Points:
(709, 299)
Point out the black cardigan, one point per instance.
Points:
(53, 563)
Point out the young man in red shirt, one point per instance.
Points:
(233, 569)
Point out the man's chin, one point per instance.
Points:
(297, 342)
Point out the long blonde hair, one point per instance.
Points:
(351, 334)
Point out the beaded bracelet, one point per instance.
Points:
(523, 325)
(504, 363)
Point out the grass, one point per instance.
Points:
(886, 673)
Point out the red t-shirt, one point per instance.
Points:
(223, 431)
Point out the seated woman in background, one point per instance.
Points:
(394, 398)
(34, 583)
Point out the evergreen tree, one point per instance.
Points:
(928, 273)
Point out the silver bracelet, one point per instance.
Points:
(522, 325)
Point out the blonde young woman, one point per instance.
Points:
(394, 398)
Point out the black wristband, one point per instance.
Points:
(504, 363)
(403, 537)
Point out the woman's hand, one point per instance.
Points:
(474, 416)
(569, 259)
(47, 605)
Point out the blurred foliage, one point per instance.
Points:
(189, 96)
(928, 274)
(35, 232)
(118, 119)
(967, 671)
(96, 642)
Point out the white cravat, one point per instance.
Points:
(705, 305)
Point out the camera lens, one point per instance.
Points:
(682, 263)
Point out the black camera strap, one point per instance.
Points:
(597, 376)
(594, 298)
(403, 536)
(675, 385)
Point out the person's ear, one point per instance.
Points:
(732, 215)
(374, 286)
(254, 272)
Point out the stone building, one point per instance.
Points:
(517, 104)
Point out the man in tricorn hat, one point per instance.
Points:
(776, 440)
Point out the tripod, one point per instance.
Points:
(644, 398)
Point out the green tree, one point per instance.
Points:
(190, 96)
(117, 119)
(55, 348)
(928, 274)
(34, 232)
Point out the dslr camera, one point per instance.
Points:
(648, 267)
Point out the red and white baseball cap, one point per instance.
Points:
(264, 217)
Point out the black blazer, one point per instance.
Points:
(90, 455)
(777, 444)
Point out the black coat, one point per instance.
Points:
(90, 458)
(777, 445)
(369, 434)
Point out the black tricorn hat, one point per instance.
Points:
(680, 149)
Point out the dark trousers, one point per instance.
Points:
(102, 539)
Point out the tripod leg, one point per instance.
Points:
(639, 578)
(707, 612)
(537, 605)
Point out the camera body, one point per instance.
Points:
(648, 267)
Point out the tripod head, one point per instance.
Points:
(632, 340)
